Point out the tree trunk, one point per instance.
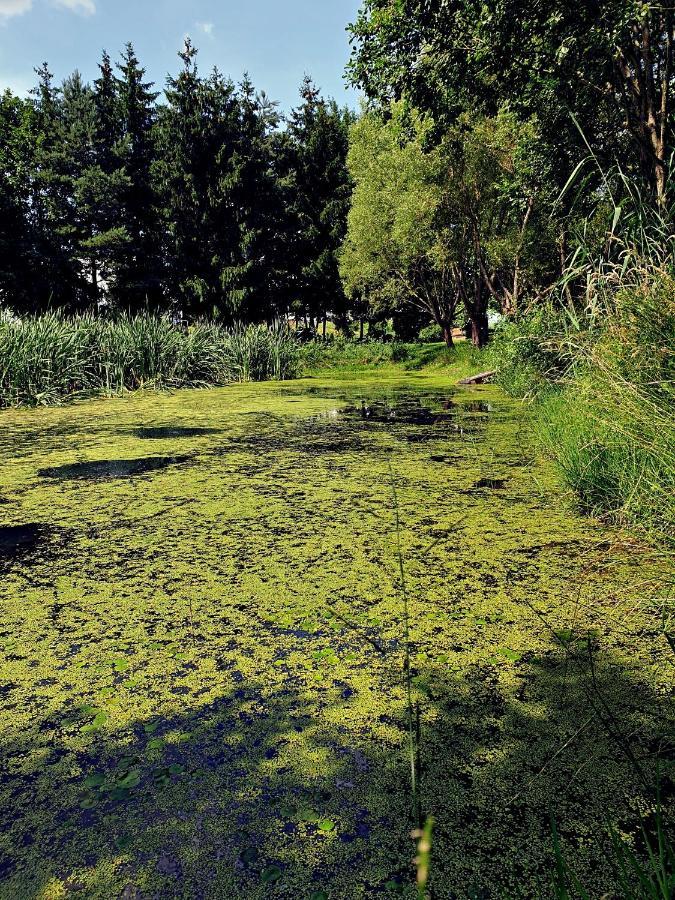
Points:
(94, 282)
(361, 328)
(447, 334)
(479, 327)
(323, 328)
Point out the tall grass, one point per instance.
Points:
(49, 358)
(599, 359)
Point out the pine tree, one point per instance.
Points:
(50, 201)
(19, 275)
(260, 201)
(139, 281)
(322, 189)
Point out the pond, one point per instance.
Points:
(202, 633)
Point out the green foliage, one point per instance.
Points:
(345, 358)
(439, 224)
(200, 204)
(395, 251)
(604, 389)
(50, 358)
(319, 189)
(546, 59)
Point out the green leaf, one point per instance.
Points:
(130, 780)
(326, 825)
(94, 781)
(507, 653)
(249, 856)
(271, 874)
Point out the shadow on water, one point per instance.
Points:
(167, 432)
(227, 799)
(16, 541)
(111, 468)
(22, 543)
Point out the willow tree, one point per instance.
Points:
(441, 225)
(603, 68)
(397, 250)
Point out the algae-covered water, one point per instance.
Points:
(202, 644)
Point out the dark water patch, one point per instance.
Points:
(407, 411)
(446, 459)
(311, 438)
(19, 543)
(16, 540)
(168, 432)
(491, 484)
(111, 468)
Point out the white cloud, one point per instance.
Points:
(86, 7)
(10, 8)
(206, 28)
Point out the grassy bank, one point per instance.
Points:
(354, 357)
(603, 392)
(47, 359)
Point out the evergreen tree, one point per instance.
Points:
(321, 196)
(260, 203)
(218, 192)
(57, 280)
(18, 273)
(183, 168)
(139, 281)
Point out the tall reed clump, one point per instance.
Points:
(598, 358)
(49, 358)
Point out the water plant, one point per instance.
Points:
(49, 358)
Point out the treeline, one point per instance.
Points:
(201, 201)
(497, 145)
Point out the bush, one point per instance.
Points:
(431, 334)
(529, 353)
(346, 354)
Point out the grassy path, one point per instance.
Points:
(201, 632)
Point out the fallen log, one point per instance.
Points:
(478, 379)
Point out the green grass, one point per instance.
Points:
(349, 358)
(203, 689)
(603, 394)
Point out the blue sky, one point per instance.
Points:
(276, 41)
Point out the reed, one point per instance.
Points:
(48, 359)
